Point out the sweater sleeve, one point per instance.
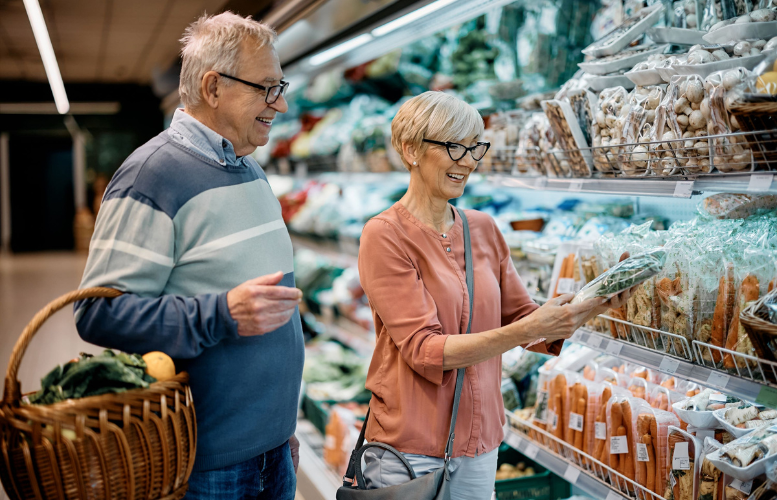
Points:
(397, 294)
(133, 250)
(516, 302)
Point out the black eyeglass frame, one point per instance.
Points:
(471, 149)
(283, 87)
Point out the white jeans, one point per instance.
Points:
(471, 478)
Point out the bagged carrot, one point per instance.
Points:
(638, 387)
(652, 425)
(596, 432)
(737, 338)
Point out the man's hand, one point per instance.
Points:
(294, 445)
(260, 306)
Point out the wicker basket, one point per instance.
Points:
(761, 119)
(762, 333)
(135, 445)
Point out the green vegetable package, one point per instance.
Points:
(623, 276)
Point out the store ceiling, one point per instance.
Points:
(101, 41)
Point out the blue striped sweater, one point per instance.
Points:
(182, 222)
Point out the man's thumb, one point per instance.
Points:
(267, 279)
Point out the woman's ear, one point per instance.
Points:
(409, 153)
(210, 89)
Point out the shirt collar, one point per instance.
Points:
(206, 140)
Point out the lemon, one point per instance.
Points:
(159, 365)
(767, 83)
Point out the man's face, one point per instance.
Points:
(243, 109)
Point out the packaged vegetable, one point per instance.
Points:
(710, 477)
(597, 434)
(651, 428)
(624, 275)
(608, 128)
(745, 417)
(621, 423)
(698, 410)
(683, 462)
(748, 456)
(527, 154)
(736, 205)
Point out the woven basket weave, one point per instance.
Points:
(762, 333)
(134, 445)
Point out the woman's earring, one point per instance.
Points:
(415, 163)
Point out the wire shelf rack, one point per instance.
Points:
(649, 338)
(722, 154)
(587, 464)
(737, 363)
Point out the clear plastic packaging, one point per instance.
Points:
(651, 428)
(683, 456)
(731, 152)
(710, 478)
(527, 154)
(736, 205)
(698, 410)
(620, 446)
(623, 275)
(748, 456)
(597, 434)
(744, 418)
(607, 129)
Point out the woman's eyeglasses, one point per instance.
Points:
(272, 93)
(457, 151)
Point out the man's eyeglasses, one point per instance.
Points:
(457, 151)
(271, 93)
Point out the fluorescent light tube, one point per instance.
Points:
(339, 50)
(47, 54)
(409, 18)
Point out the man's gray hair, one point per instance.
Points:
(214, 43)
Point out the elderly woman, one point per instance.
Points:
(411, 265)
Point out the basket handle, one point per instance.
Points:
(13, 394)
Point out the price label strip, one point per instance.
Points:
(759, 183)
(669, 365)
(683, 189)
(595, 341)
(613, 496)
(614, 348)
(531, 451)
(680, 459)
(571, 474)
(513, 440)
(718, 380)
(575, 186)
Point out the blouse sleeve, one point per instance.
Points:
(516, 302)
(397, 294)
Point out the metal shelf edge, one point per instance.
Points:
(731, 384)
(560, 467)
(315, 480)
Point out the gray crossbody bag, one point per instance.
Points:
(432, 486)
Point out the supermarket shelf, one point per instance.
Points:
(315, 480)
(759, 392)
(560, 466)
(352, 335)
(678, 187)
(329, 249)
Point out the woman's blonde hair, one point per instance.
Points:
(436, 116)
(214, 43)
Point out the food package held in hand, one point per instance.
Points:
(623, 276)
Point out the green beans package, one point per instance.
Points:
(623, 275)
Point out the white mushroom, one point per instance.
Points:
(697, 120)
(640, 156)
(759, 44)
(762, 15)
(732, 78)
(743, 19)
(755, 51)
(720, 24)
(600, 118)
(702, 148)
(695, 91)
(704, 107)
(682, 120)
(680, 104)
(734, 122)
(720, 55)
(742, 48)
(692, 20)
(771, 44)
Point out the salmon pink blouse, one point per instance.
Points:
(415, 281)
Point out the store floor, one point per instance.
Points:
(27, 283)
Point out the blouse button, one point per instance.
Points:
(448, 249)
(444, 235)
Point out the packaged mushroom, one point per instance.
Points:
(527, 154)
(575, 156)
(607, 131)
(731, 152)
(637, 130)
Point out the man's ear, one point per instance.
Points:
(410, 153)
(210, 89)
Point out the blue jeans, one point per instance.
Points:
(269, 476)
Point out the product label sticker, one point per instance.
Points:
(541, 407)
(680, 459)
(576, 421)
(744, 487)
(614, 348)
(669, 365)
(531, 451)
(672, 480)
(552, 419)
(718, 380)
(767, 396)
(683, 189)
(595, 341)
(717, 398)
(571, 474)
(619, 445)
(600, 430)
(566, 285)
(759, 183)
(575, 186)
(642, 453)
(513, 440)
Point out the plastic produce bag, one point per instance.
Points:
(651, 427)
(736, 205)
(608, 128)
(623, 276)
(731, 152)
(683, 463)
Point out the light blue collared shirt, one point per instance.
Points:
(192, 134)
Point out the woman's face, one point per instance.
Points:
(443, 177)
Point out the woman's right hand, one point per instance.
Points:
(558, 319)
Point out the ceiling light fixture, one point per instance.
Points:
(339, 50)
(409, 18)
(47, 54)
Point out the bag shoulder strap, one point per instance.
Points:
(470, 278)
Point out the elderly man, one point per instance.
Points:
(191, 232)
